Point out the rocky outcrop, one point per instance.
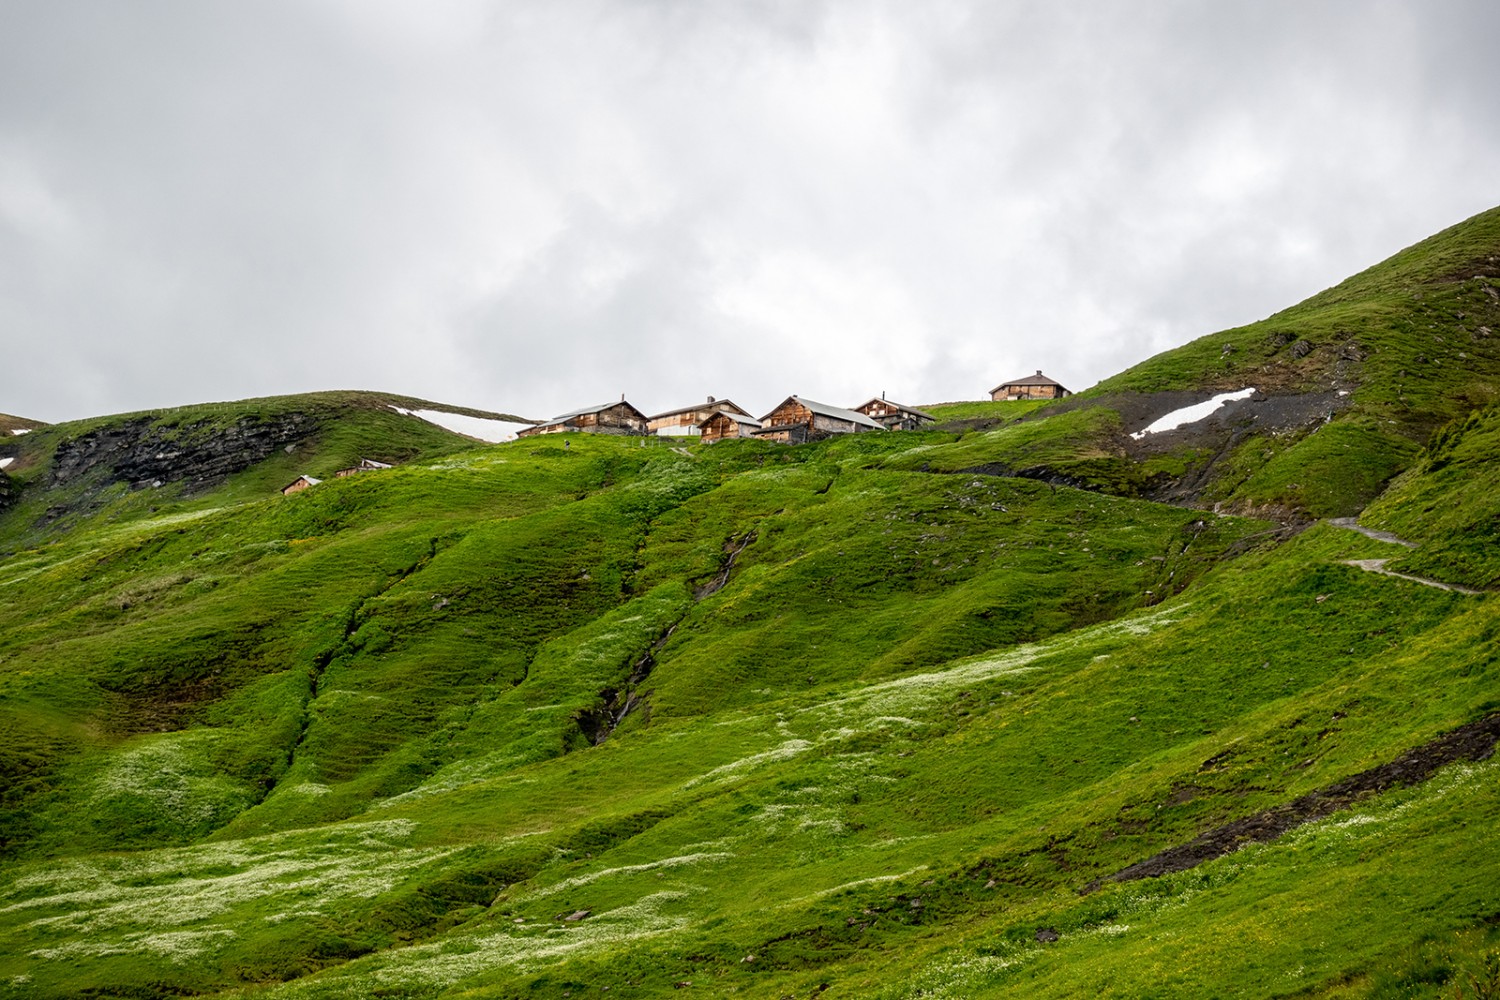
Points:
(7, 491)
(143, 454)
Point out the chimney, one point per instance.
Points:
(882, 394)
(622, 395)
(710, 399)
(1038, 371)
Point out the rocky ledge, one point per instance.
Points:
(144, 454)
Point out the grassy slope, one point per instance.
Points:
(1449, 501)
(457, 617)
(343, 427)
(338, 744)
(1415, 340)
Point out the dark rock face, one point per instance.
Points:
(143, 455)
(7, 491)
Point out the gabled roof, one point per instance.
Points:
(307, 479)
(823, 409)
(903, 408)
(717, 404)
(741, 418)
(592, 409)
(1037, 379)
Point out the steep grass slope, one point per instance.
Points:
(623, 719)
(1352, 383)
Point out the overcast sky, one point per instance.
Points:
(536, 206)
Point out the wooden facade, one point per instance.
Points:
(298, 485)
(797, 420)
(1036, 386)
(688, 419)
(723, 425)
(894, 416)
(608, 418)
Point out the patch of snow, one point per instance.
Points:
(1191, 414)
(481, 428)
(5, 461)
(21, 430)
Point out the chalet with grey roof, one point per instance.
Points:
(1036, 386)
(724, 424)
(365, 465)
(298, 485)
(894, 416)
(686, 420)
(606, 418)
(798, 419)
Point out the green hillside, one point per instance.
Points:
(967, 712)
(1355, 380)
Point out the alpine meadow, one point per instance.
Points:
(1035, 701)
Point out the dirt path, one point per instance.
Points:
(1379, 536)
(1378, 566)
(1473, 742)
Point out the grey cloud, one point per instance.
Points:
(535, 206)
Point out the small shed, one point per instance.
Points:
(1036, 386)
(894, 416)
(723, 425)
(365, 465)
(298, 485)
(686, 420)
(606, 418)
(798, 419)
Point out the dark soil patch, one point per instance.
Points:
(1473, 742)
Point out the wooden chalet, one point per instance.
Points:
(365, 465)
(797, 420)
(727, 425)
(298, 485)
(607, 418)
(687, 420)
(894, 416)
(1036, 386)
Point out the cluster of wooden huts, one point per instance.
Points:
(303, 482)
(795, 420)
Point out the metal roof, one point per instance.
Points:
(739, 418)
(590, 409)
(900, 406)
(823, 409)
(723, 405)
(1037, 379)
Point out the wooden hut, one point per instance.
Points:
(298, 485)
(797, 420)
(607, 418)
(687, 420)
(1036, 386)
(723, 425)
(365, 465)
(894, 416)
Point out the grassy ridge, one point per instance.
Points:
(844, 718)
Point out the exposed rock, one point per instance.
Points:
(1047, 935)
(1353, 352)
(1472, 742)
(577, 915)
(1301, 349)
(142, 453)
